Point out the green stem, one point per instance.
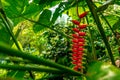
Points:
(29, 68)
(4, 49)
(91, 39)
(5, 21)
(100, 28)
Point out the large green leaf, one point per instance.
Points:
(18, 9)
(43, 19)
(14, 8)
(102, 71)
(32, 8)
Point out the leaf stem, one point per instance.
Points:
(31, 68)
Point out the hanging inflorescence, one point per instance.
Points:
(78, 42)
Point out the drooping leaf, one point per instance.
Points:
(43, 19)
(62, 6)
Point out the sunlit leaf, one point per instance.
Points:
(102, 71)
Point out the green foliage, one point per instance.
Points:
(44, 34)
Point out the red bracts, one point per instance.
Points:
(78, 43)
(83, 14)
(75, 22)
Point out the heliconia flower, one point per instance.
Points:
(75, 46)
(76, 29)
(82, 33)
(75, 22)
(80, 53)
(80, 56)
(76, 68)
(74, 62)
(82, 26)
(83, 14)
(74, 50)
(80, 44)
(79, 61)
(81, 39)
(75, 35)
(80, 49)
(75, 40)
(74, 58)
(80, 66)
(74, 54)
